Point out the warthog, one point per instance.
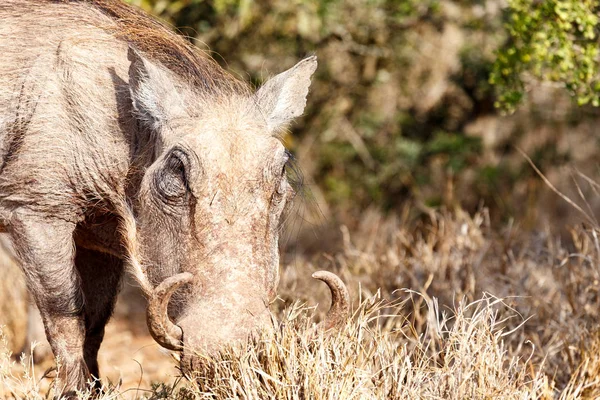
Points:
(123, 147)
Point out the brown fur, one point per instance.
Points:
(157, 41)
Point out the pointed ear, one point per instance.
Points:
(154, 93)
(283, 97)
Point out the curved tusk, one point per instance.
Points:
(165, 332)
(340, 300)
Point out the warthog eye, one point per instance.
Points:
(171, 180)
(288, 181)
(282, 188)
(280, 192)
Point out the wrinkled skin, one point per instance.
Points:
(115, 155)
(227, 215)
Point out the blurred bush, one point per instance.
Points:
(552, 40)
(402, 106)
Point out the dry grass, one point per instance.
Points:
(376, 355)
(490, 314)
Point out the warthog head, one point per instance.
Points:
(209, 205)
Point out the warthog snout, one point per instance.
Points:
(208, 327)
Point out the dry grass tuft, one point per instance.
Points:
(376, 355)
(17, 379)
(585, 380)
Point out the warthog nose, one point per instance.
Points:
(203, 337)
(210, 325)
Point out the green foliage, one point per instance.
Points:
(551, 40)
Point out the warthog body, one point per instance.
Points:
(122, 146)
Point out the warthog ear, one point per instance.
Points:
(283, 97)
(155, 96)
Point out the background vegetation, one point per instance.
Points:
(403, 104)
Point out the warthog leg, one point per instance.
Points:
(44, 246)
(100, 277)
